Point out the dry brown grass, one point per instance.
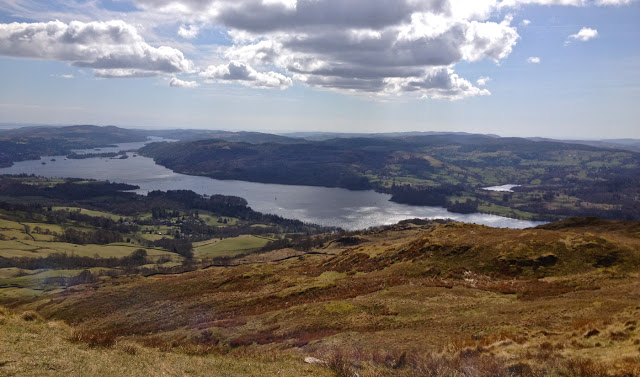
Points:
(468, 363)
(93, 338)
(31, 316)
(130, 348)
(454, 299)
(42, 348)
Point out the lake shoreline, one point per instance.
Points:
(347, 209)
(392, 198)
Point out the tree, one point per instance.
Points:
(138, 257)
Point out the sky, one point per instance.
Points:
(550, 68)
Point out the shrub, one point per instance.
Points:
(585, 368)
(338, 363)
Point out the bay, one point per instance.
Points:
(343, 208)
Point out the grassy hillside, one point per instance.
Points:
(31, 346)
(411, 299)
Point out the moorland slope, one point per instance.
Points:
(559, 300)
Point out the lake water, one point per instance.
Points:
(321, 205)
(503, 188)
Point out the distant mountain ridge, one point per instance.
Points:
(239, 136)
(632, 145)
(321, 136)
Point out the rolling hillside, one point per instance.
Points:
(561, 299)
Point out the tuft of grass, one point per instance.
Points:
(585, 368)
(93, 339)
(31, 316)
(469, 362)
(339, 363)
(4, 312)
(129, 348)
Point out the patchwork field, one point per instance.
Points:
(92, 213)
(26, 248)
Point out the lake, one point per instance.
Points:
(320, 205)
(502, 188)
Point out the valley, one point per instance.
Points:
(319, 188)
(177, 280)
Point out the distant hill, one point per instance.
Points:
(320, 136)
(87, 134)
(632, 145)
(240, 136)
(555, 178)
(30, 143)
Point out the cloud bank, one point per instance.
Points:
(382, 47)
(112, 49)
(386, 47)
(246, 75)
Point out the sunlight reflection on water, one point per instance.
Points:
(320, 205)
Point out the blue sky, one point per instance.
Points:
(507, 67)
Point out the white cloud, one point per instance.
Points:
(66, 76)
(244, 74)
(383, 46)
(366, 60)
(437, 83)
(472, 9)
(112, 48)
(482, 81)
(188, 32)
(583, 35)
(613, 2)
(516, 3)
(489, 40)
(118, 73)
(380, 47)
(177, 83)
(533, 60)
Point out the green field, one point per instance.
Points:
(89, 212)
(29, 283)
(35, 249)
(150, 237)
(212, 220)
(228, 246)
(8, 224)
